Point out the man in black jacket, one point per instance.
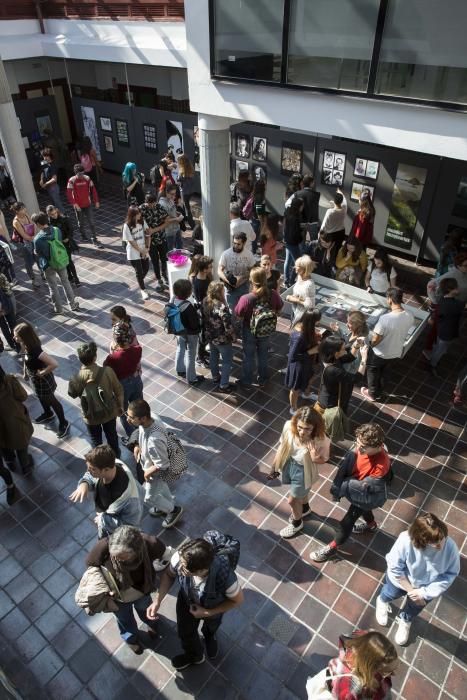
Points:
(63, 223)
(310, 200)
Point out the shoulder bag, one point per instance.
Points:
(336, 422)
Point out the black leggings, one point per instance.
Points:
(5, 474)
(344, 528)
(141, 268)
(51, 402)
(158, 255)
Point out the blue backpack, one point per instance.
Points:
(173, 323)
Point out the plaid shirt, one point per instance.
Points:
(155, 216)
(350, 687)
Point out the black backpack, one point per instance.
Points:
(224, 545)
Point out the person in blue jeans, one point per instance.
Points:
(187, 342)
(49, 178)
(256, 342)
(220, 334)
(125, 360)
(422, 564)
(234, 268)
(293, 238)
(132, 559)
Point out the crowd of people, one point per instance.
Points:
(212, 319)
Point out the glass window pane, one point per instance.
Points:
(331, 43)
(424, 50)
(248, 38)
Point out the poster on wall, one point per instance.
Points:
(196, 147)
(357, 189)
(333, 168)
(174, 137)
(150, 138)
(403, 212)
(90, 128)
(106, 123)
(260, 148)
(108, 144)
(44, 125)
(121, 127)
(259, 172)
(242, 146)
(291, 158)
(240, 166)
(366, 168)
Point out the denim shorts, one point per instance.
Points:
(293, 473)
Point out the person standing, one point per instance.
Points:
(23, 236)
(16, 428)
(63, 223)
(156, 220)
(125, 361)
(186, 182)
(293, 237)
(11, 490)
(239, 225)
(364, 220)
(448, 319)
(133, 184)
(49, 178)
(39, 367)
(8, 312)
(310, 198)
(380, 274)
(234, 268)
(201, 276)
(273, 277)
(88, 159)
(334, 219)
(324, 253)
(187, 341)
(422, 564)
(336, 383)
(253, 308)
(387, 343)
(220, 334)
(303, 351)
(134, 234)
(362, 479)
(152, 454)
(269, 238)
(81, 193)
(303, 292)
(101, 395)
(172, 229)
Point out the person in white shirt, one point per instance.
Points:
(137, 246)
(334, 219)
(239, 225)
(234, 270)
(387, 343)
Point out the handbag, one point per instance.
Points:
(336, 423)
(317, 686)
(127, 596)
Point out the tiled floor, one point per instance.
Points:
(294, 610)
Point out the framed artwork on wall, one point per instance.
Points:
(150, 138)
(333, 168)
(123, 138)
(174, 137)
(259, 172)
(44, 124)
(90, 129)
(240, 165)
(291, 158)
(106, 123)
(366, 168)
(242, 146)
(260, 149)
(357, 189)
(108, 144)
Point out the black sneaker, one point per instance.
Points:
(44, 418)
(97, 244)
(184, 660)
(181, 374)
(136, 648)
(63, 430)
(198, 380)
(225, 389)
(11, 496)
(212, 647)
(172, 518)
(77, 283)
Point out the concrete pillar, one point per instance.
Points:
(215, 182)
(13, 146)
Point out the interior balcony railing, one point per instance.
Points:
(150, 10)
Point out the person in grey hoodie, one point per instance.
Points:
(172, 230)
(117, 494)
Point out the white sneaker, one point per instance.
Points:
(290, 530)
(144, 295)
(310, 397)
(403, 631)
(382, 611)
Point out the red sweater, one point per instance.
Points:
(81, 191)
(124, 362)
(362, 230)
(376, 465)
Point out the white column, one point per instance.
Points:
(13, 147)
(215, 183)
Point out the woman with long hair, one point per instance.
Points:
(39, 367)
(303, 293)
(380, 274)
(133, 183)
(269, 237)
(336, 384)
(186, 182)
(293, 237)
(137, 253)
(364, 220)
(273, 277)
(201, 276)
(351, 262)
(303, 349)
(258, 311)
(118, 314)
(219, 333)
(303, 446)
(15, 424)
(23, 235)
(91, 164)
(357, 341)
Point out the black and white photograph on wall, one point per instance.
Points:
(337, 178)
(291, 158)
(90, 128)
(372, 168)
(357, 189)
(196, 147)
(327, 177)
(108, 144)
(150, 138)
(174, 137)
(339, 161)
(360, 167)
(121, 127)
(328, 160)
(44, 125)
(242, 146)
(259, 172)
(333, 168)
(240, 166)
(260, 148)
(106, 123)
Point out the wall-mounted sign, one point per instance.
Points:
(403, 212)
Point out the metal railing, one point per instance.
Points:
(151, 10)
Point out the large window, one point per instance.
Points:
(331, 43)
(424, 50)
(248, 38)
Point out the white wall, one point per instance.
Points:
(423, 129)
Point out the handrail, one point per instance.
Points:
(150, 10)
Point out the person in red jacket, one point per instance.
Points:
(363, 223)
(81, 193)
